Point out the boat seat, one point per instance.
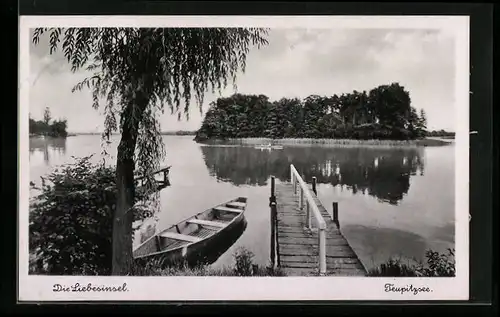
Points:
(178, 236)
(227, 209)
(236, 204)
(207, 223)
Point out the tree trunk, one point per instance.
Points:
(122, 220)
(125, 196)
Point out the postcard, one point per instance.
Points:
(187, 158)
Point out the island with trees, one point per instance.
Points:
(44, 127)
(383, 113)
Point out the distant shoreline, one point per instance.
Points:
(38, 135)
(326, 142)
(162, 133)
(429, 141)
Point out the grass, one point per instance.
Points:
(243, 265)
(437, 265)
(209, 271)
(330, 142)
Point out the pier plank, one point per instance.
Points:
(284, 240)
(292, 265)
(310, 250)
(300, 271)
(298, 249)
(314, 259)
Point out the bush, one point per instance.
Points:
(243, 262)
(71, 220)
(438, 264)
(245, 266)
(442, 265)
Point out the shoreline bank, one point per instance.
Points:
(327, 142)
(50, 136)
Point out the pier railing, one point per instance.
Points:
(306, 200)
(164, 170)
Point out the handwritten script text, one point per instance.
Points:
(406, 289)
(89, 288)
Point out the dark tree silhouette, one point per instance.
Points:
(383, 113)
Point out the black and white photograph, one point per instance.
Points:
(281, 157)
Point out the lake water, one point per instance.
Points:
(392, 201)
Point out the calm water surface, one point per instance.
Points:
(392, 202)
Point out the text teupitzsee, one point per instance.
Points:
(89, 288)
(406, 289)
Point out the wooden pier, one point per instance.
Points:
(160, 184)
(305, 239)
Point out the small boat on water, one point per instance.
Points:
(269, 147)
(194, 236)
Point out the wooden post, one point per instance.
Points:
(165, 177)
(301, 198)
(335, 213)
(314, 185)
(273, 234)
(255, 269)
(322, 252)
(272, 205)
(273, 180)
(308, 215)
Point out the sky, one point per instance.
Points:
(296, 63)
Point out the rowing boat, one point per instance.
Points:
(269, 147)
(195, 237)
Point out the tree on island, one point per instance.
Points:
(423, 119)
(384, 112)
(46, 116)
(421, 124)
(137, 71)
(55, 129)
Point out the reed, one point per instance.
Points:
(394, 267)
(329, 142)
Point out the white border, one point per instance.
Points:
(39, 288)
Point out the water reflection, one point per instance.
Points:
(382, 173)
(43, 144)
(219, 246)
(379, 244)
